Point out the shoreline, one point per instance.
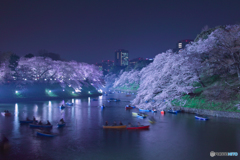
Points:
(16, 100)
(213, 113)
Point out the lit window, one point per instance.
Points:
(179, 45)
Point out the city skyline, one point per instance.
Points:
(89, 31)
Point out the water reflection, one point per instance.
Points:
(78, 101)
(100, 100)
(50, 111)
(89, 101)
(35, 111)
(16, 121)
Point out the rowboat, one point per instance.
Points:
(142, 116)
(26, 122)
(144, 110)
(151, 120)
(69, 104)
(115, 127)
(139, 127)
(173, 111)
(129, 107)
(44, 133)
(61, 107)
(113, 100)
(61, 124)
(134, 114)
(40, 125)
(154, 111)
(6, 113)
(200, 117)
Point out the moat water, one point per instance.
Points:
(179, 137)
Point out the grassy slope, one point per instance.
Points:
(217, 95)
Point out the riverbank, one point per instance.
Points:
(210, 112)
(15, 100)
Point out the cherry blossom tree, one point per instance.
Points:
(109, 80)
(168, 78)
(45, 70)
(220, 51)
(127, 78)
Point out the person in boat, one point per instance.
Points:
(48, 123)
(114, 123)
(62, 105)
(139, 124)
(106, 123)
(129, 124)
(62, 121)
(120, 123)
(27, 119)
(34, 119)
(5, 142)
(4, 139)
(40, 123)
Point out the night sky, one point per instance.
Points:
(91, 30)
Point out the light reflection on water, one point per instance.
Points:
(16, 121)
(172, 137)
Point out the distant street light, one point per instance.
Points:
(16, 91)
(49, 91)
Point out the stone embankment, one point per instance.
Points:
(210, 112)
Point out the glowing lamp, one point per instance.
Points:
(162, 112)
(16, 91)
(49, 91)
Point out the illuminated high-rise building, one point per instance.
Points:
(121, 57)
(181, 44)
